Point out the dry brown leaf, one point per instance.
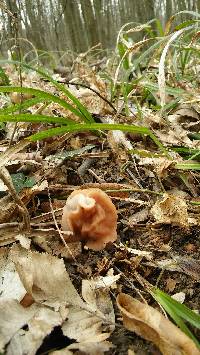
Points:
(10, 152)
(161, 165)
(64, 351)
(92, 348)
(10, 286)
(171, 209)
(13, 316)
(8, 206)
(147, 322)
(188, 265)
(96, 294)
(95, 324)
(170, 284)
(45, 278)
(84, 326)
(86, 348)
(39, 326)
(138, 217)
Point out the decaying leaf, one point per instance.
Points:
(84, 326)
(152, 325)
(86, 348)
(96, 294)
(138, 217)
(45, 278)
(92, 348)
(97, 322)
(13, 316)
(161, 165)
(11, 286)
(171, 209)
(53, 302)
(39, 326)
(188, 265)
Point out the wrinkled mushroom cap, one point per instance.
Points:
(91, 216)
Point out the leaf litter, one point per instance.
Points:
(46, 286)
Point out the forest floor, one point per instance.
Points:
(44, 289)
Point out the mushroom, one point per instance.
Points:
(91, 217)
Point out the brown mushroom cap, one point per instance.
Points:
(91, 216)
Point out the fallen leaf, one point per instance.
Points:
(171, 209)
(149, 323)
(188, 265)
(170, 284)
(45, 278)
(92, 348)
(11, 286)
(96, 323)
(138, 217)
(13, 316)
(180, 297)
(96, 294)
(84, 326)
(39, 326)
(86, 348)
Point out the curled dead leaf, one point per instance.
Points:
(152, 325)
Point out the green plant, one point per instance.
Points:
(178, 312)
(172, 49)
(67, 125)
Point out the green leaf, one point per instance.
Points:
(27, 117)
(20, 181)
(185, 24)
(189, 165)
(154, 88)
(182, 310)
(195, 136)
(44, 95)
(178, 312)
(97, 126)
(83, 112)
(22, 106)
(4, 77)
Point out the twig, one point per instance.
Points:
(95, 91)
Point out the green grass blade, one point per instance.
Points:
(97, 126)
(184, 312)
(195, 136)
(189, 165)
(4, 77)
(180, 323)
(185, 24)
(178, 312)
(84, 113)
(43, 95)
(188, 12)
(26, 117)
(21, 106)
(153, 87)
(195, 156)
